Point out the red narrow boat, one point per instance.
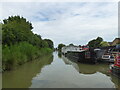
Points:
(115, 69)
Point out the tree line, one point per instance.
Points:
(95, 43)
(98, 42)
(17, 29)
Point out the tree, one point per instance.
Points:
(60, 46)
(50, 43)
(71, 44)
(44, 44)
(0, 33)
(8, 37)
(95, 42)
(17, 29)
(92, 43)
(98, 41)
(104, 43)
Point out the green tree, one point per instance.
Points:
(104, 43)
(20, 44)
(60, 46)
(95, 42)
(50, 43)
(44, 44)
(0, 33)
(98, 41)
(8, 37)
(17, 29)
(71, 44)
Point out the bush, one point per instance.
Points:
(20, 53)
(20, 44)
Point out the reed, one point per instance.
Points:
(18, 54)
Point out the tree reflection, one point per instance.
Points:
(22, 76)
(59, 54)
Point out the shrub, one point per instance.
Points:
(20, 53)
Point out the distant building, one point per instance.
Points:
(74, 48)
(65, 49)
(115, 41)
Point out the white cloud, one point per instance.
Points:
(69, 22)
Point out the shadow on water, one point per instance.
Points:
(22, 76)
(89, 69)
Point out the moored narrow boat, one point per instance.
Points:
(115, 68)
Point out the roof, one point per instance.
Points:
(116, 39)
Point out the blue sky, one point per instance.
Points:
(68, 22)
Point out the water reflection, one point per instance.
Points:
(88, 69)
(63, 73)
(59, 54)
(22, 76)
(59, 72)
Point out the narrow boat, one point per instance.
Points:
(115, 68)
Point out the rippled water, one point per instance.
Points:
(59, 72)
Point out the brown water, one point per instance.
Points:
(59, 72)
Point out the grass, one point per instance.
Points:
(18, 54)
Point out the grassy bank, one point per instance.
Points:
(18, 54)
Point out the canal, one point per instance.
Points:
(56, 71)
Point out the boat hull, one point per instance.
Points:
(81, 57)
(115, 71)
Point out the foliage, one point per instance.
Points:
(60, 46)
(20, 44)
(95, 42)
(104, 43)
(17, 29)
(20, 53)
(71, 44)
(18, 19)
(50, 43)
(0, 33)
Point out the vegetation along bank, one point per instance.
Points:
(20, 44)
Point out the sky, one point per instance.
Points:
(67, 22)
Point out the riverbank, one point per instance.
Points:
(21, 53)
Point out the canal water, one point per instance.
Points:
(56, 71)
